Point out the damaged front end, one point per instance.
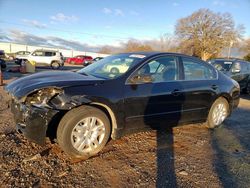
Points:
(34, 112)
(40, 100)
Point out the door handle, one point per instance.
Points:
(214, 87)
(176, 92)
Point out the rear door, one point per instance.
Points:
(199, 87)
(48, 57)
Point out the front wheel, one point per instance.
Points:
(218, 113)
(83, 132)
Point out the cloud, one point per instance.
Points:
(175, 4)
(18, 36)
(219, 3)
(34, 23)
(60, 17)
(3, 36)
(118, 12)
(107, 11)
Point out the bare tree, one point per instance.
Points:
(246, 46)
(246, 49)
(205, 33)
(167, 43)
(134, 45)
(105, 50)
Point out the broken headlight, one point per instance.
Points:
(42, 97)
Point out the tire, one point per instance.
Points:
(55, 65)
(115, 71)
(220, 105)
(75, 121)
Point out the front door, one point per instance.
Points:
(155, 97)
(37, 56)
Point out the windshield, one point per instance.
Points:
(112, 67)
(222, 65)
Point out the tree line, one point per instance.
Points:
(204, 34)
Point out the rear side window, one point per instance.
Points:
(50, 54)
(195, 70)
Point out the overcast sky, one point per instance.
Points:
(78, 24)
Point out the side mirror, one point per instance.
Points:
(144, 78)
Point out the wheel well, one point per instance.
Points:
(53, 124)
(54, 61)
(110, 114)
(225, 97)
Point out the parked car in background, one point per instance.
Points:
(86, 63)
(84, 109)
(79, 60)
(20, 55)
(2, 61)
(2, 54)
(119, 66)
(44, 58)
(2, 64)
(97, 59)
(237, 69)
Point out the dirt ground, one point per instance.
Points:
(185, 156)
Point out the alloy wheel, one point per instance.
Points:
(88, 134)
(219, 114)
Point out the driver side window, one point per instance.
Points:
(163, 69)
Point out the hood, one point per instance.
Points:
(24, 86)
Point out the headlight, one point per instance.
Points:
(42, 97)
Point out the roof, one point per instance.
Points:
(226, 58)
(153, 53)
(230, 59)
(45, 50)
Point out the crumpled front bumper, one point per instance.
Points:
(32, 121)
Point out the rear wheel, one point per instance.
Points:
(83, 132)
(218, 113)
(55, 65)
